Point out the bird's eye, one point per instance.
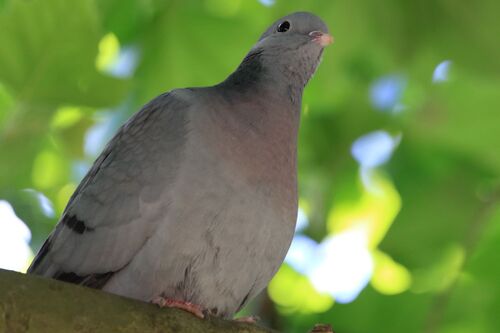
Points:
(283, 26)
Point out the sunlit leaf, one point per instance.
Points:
(294, 293)
(389, 277)
(48, 170)
(63, 196)
(66, 116)
(109, 46)
(374, 210)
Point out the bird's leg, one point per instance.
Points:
(164, 302)
(248, 320)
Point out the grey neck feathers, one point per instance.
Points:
(258, 74)
(269, 102)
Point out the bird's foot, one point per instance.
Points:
(322, 328)
(248, 320)
(164, 302)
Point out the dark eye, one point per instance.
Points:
(284, 26)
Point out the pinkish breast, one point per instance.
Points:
(257, 141)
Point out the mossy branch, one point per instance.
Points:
(33, 304)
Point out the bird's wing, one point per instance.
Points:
(112, 213)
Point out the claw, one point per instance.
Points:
(164, 302)
(248, 320)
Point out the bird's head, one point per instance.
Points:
(294, 44)
(286, 55)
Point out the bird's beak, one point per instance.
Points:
(321, 38)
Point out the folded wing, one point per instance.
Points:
(118, 205)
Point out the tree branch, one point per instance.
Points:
(35, 304)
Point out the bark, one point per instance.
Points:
(33, 304)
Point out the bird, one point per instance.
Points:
(193, 203)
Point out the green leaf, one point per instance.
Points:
(48, 54)
(462, 116)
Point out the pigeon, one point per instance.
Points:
(193, 203)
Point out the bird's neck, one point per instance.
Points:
(256, 132)
(257, 76)
(257, 117)
(268, 100)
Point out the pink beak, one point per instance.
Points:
(321, 38)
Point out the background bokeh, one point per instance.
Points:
(399, 154)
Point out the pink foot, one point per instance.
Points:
(164, 302)
(322, 328)
(248, 320)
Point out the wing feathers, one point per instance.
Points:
(73, 223)
(103, 226)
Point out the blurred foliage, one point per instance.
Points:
(435, 234)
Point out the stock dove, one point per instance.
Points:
(193, 202)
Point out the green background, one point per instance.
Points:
(434, 230)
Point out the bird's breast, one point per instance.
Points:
(256, 144)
